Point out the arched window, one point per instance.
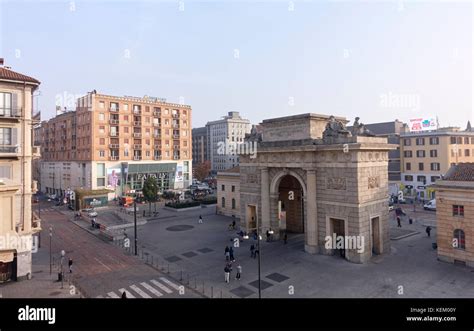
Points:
(233, 203)
(459, 241)
(223, 202)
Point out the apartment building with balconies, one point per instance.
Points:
(18, 225)
(427, 156)
(116, 142)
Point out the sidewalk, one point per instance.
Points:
(41, 284)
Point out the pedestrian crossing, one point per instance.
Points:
(153, 288)
(48, 210)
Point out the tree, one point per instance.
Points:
(202, 170)
(150, 191)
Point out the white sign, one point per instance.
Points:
(422, 124)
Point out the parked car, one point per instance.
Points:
(92, 214)
(390, 207)
(431, 205)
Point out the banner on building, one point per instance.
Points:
(423, 124)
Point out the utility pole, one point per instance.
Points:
(135, 223)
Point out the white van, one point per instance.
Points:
(431, 205)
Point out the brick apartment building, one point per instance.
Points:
(115, 143)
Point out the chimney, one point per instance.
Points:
(1, 61)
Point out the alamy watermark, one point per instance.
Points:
(345, 242)
(400, 101)
(233, 148)
(19, 243)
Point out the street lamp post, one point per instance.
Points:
(63, 253)
(135, 223)
(50, 254)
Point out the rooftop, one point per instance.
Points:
(461, 172)
(8, 74)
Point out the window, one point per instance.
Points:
(453, 140)
(147, 153)
(467, 152)
(101, 116)
(100, 174)
(407, 153)
(125, 152)
(101, 105)
(233, 203)
(125, 118)
(6, 136)
(420, 141)
(100, 181)
(6, 104)
(223, 188)
(421, 179)
(101, 153)
(223, 202)
(434, 178)
(434, 141)
(102, 141)
(125, 107)
(101, 129)
(408, 178)
(5, 171)
(233, 188)
(458, 210)
(408, 166)
(459, 240)
(466, 140)
(421, 166)
(420, 153)
(434, 153)
(459, 140)
(472, 140)
(435, 166)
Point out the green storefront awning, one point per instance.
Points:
(151, 168)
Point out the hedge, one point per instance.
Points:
(209, 201)
(179, 205)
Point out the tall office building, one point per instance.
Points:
(17, 223)
(200, 152)
(112, 142)
(222, 136)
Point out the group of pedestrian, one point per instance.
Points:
(229, 254)
(228, 270)
(253, 251)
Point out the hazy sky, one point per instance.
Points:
(376, 60)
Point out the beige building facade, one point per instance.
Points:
(18, 225)
(228, 192)
(311, 176)
(455, 214)
(426, 157)
(116, 142)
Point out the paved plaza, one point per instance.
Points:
(197, 251)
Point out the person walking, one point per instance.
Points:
(231, 254)
(200, 219)
(399, 224)
(70, 265)
(239, 272)
(124, 295)
(227, 253)
(268, 235)
(428, 231)
(226, 274)
(252, 251)
(285, 238)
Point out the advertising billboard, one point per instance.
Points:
(423, 124)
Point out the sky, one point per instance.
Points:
(379, 60)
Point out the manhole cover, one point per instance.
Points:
(182, 227)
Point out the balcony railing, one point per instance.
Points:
(156, 124)
(176, 115)
(9, 149)
(175, 125)
(137, 123)
(114, 109)
(114, 134)
(137, 158)
(113, 158)
(176, 157)
(156, 135)
(157, 157)
(157, 147)
(156, 113)
(14, 113)
(176, 146)
(137, 111)
(176, 136)
(114, 145)
(114, 121)
(137, 134)
(137, 146)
